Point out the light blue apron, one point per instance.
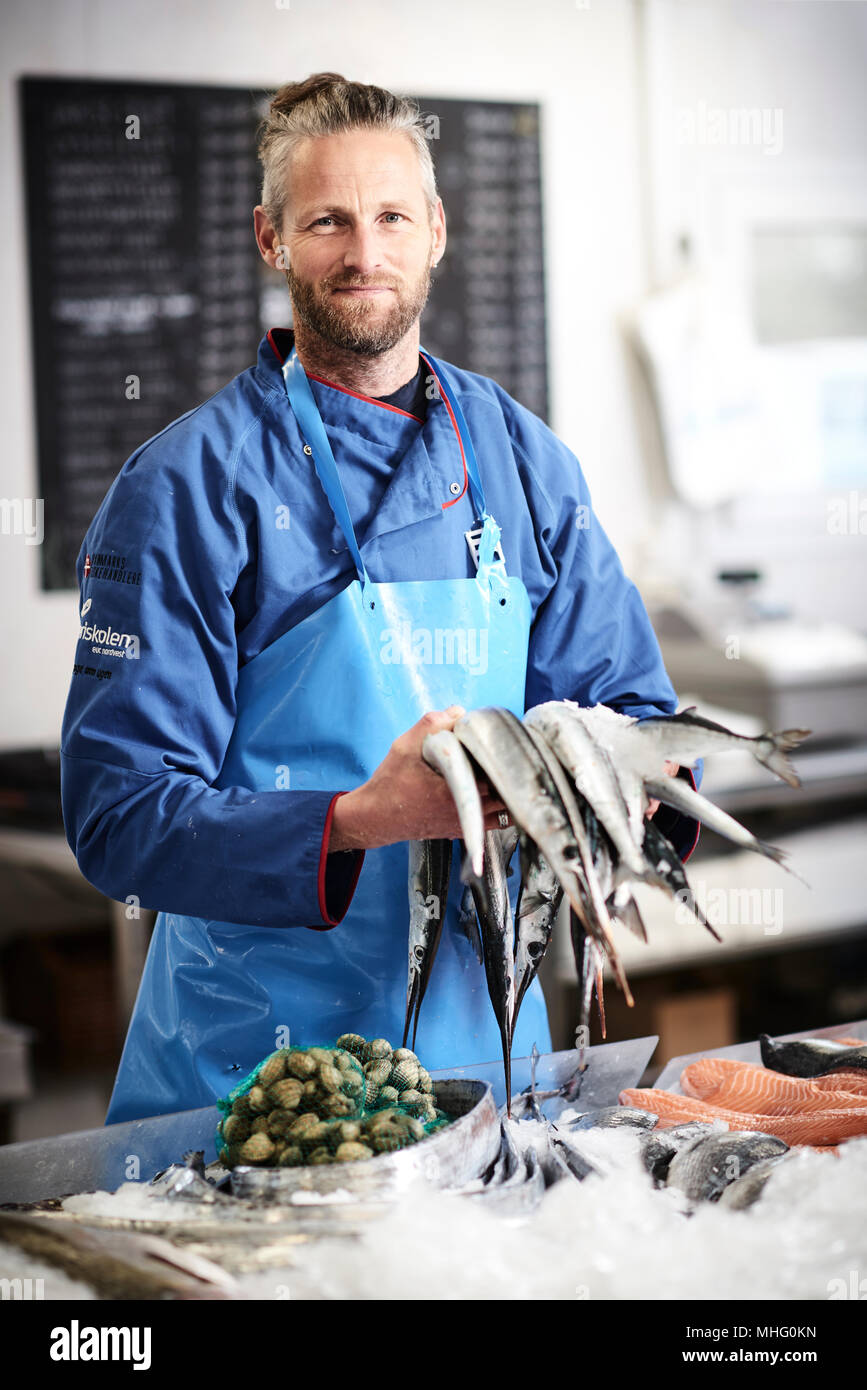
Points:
(324, 703)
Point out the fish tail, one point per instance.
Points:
(771, 752)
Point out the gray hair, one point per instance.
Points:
(326, 104)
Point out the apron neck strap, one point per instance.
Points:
(474, 477)
(307, 414)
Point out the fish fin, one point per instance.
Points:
(774, 756)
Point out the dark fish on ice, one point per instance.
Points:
(704, 1168)
(811, 1056)
(743, 1192)
(659, 1146)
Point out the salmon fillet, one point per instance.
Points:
(753, 1089)
(820, 1127)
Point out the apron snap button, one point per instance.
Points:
(454, 489)
(308, 450)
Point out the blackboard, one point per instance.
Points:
(148, 293)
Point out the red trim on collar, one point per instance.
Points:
(371, 400)
(397, 410)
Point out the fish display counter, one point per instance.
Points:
(592, 1187)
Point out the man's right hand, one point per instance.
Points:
(405, 799)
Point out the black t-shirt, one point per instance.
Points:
(412, 396)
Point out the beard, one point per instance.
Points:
(349, 324)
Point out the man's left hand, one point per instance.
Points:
(670, 770)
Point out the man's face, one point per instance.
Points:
(359, 239)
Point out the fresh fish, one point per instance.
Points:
(591, 770)
(675, 792)
(118, 1264)
(579, 1166)
(497, 931)
(429, 870)
(704, 1168)
(501, 746)
(469, 922)
(743, 1192)
(613, 1117)
(538, 904)
(659, 1146)
(668, 862)
(686, 736)
(812, 1056)
(443, 752)
(578, 813)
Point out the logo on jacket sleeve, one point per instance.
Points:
(107, 641)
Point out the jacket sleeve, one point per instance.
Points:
(151, 708)
(592, 640)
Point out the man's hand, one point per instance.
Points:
(670, 770)
(405, 799)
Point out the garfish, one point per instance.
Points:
(443, 752)
(429, 870)
(497, 931)
(674, 792)
(668, 862)
(504, 750)
(705, 1167)
(118, 1264)
(539, 902)
(579, 815)
(685, 737)
(812, 1056)
(591, 770)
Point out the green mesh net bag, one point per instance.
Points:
(268, 1114)
(320, 1105)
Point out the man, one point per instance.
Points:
(309, 610)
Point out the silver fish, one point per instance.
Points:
(674, 792)
(539, 902)
(686, 736)
(613, 1117)
(704, 1168)
(743, 1192)
(429, 870)
(591, 770)
(443, 752)
(501, 746)
(577, 812)
(811, 1056)
(497, 932)
(469, 922)
(660, 1145)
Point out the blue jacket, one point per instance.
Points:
(216, 537)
